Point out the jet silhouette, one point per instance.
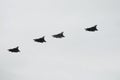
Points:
(60, 35)
(40, 40)
(15, 50)
(92, 29)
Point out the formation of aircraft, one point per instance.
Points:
(59, 35)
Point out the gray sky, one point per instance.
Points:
(80, 55)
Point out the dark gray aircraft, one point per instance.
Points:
(15, 50)
(40, 40)
(60, 35)
(92, 29)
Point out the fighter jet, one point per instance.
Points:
(92, 29)
(40, 40)
(14, 50)
(60, 35)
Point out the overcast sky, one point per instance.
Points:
(80, 55)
